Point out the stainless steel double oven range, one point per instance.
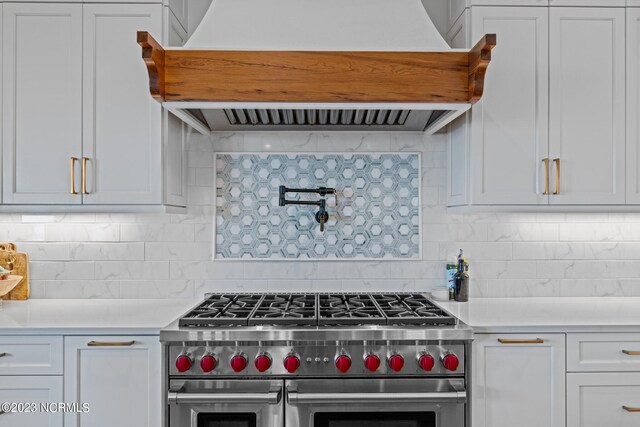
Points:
(316, 360)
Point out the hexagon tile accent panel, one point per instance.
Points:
(377, 215)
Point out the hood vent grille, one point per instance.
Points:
(313, 117)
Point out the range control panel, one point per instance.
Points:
(317, 360)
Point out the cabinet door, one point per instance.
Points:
(509, 134)
(519, 383)
(596, 400)
(122, 123)
(31, 390)
(458, 135)
(175, 131)
(120, 380)
(1, 53)
(42, 102)
(633, 106)
(587, 105)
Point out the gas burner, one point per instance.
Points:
(285, 309)
(344, 309)
(411, 309)
(316, 310)
(229, 310)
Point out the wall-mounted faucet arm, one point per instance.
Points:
(322, 216)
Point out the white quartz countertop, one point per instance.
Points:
(548, 314)
(90, 316)
(148, 316)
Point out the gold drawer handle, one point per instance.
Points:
(84, 175)
(557, 162)
(110, 344)
(72, 175)
(631, 353)
(546, 176)
(535, 341)
(630, 409)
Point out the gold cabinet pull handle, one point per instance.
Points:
(631, 353)
(630, 409)
(534, 341)
(557, 162)
(84, 175)
(110, 344)
(72, 175)
(546, 176)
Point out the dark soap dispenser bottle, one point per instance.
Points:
(461, 281)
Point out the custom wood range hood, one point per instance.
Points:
(326, 65)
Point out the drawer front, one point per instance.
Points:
(31, 390)
(603, 352)
(602, 399)
(25, 355)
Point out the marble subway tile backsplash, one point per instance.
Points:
(171, 256)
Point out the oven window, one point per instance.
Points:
(373, 419)
(226, 420)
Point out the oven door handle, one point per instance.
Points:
(293, 397)
(270, 398)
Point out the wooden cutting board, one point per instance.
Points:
(19, 264)
(9, 284)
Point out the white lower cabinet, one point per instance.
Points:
(118, 376)
(603, 399)
(31, 389)
(518, 380)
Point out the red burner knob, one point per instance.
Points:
(372, 362)
(183, 363)
(208, 363)
(450, 362)
(291, 363)
(238, 363)
(396, 362)
(263, 362)
(426, 362)
(343, 363)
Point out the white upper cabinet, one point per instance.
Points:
(587, 105)
(633, 106)
(520, 381)
(79, 126)
(41, 102)
(588, 3)
(122, 123)
(552, 125)
(175, 132)
(1, 22)
(509, 126)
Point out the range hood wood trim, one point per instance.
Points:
(153, 56)
(479, 59)
(315, 76)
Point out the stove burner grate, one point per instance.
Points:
(331, 309)
(348, 309)
(229, 310)
(411, 309)
(286, 309)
